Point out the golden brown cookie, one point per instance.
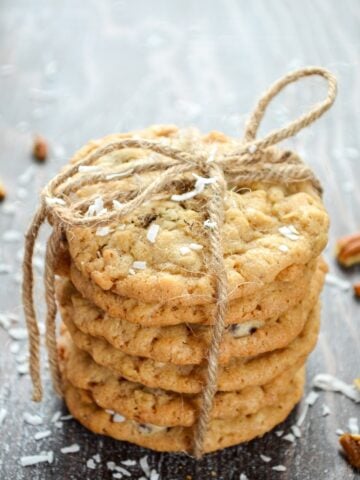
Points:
(221, 433)
(160, 407)
(268, 302)
(188, 344)
(235, 375)
(269, 230)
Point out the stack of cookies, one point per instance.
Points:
(137, 302)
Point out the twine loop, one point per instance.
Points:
(245, 164)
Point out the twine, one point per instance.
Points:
(245, 164)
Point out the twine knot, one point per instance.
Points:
(245, 164)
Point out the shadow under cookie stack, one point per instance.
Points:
(137, 302)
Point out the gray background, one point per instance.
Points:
(75, 70)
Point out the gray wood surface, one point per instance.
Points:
(75, 70)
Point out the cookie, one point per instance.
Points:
(183, 344)
(156, 406)
(271, 301)
(221, 433)
(270, 230)
(235, 375)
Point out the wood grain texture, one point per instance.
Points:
(72, 71)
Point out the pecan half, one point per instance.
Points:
(40, 149)
(2, 191)
(351, 445)
(348, 250)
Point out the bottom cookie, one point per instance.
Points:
(221, 433)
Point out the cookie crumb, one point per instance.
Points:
(2, 191)
(351, 445)
(40, 149)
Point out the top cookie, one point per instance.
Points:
(160, 252)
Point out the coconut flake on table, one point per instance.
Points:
(12, 236)
(265, 458)
(122, 471)
(353, 425)
(144, 465)
(129, 463)
(339, 431)
(279, 433)
(103, 231)
(296, 431)
(289, 437)
(18, 333)
(335, 281)
(27, 176)
(243, 476)
(117, 475)
(196, 246)
(74, 448)
(289, 231)
(91, 464)
(279, 468)
(152, 232)
(34, 459)
(328, 382)
(154, 475)
(58, 424)
(55, 417)
(200, 184)
(41, 435)
(97, 458)
(96, 208)
(311, 398)
(139, 265)
(3, 413)
(184, 250)
(325, 410)
(54, 201)
(65, 418)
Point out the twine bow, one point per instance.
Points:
(245, 164)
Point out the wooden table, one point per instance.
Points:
(72, 71)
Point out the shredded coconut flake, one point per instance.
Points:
(209, 224)
(102, 231)
(154, 475)
(184, 250)
(339, 431)
(55, 417)
(34, 459)
(196, 246)
(129, 463)
(328, 382)
(111, 465)
(289, 231)
(139, 265)
(132, 271)
(252, 149)
(64, 418)
(243, 476)
(97, 458)
(3, 413)
(152, 232)
(74, 448)
(41, 435)
(32, 419)
(296, 431)
(91, 464)
(23, 369)
(200, 184)
(325, 410)
(117, 418)
(353, 425)
(279, 468)
(18, 333)
(96, 208)
(283, 248)
(302, 416)
(289, 438)
(311, 398)
(279, 433)
(122, 471)
(144, 465)
(265, 458)
(55, 201)
(58, 424)
(117, 475)
(117, 205)
(335, 281)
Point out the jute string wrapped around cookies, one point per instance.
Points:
(245, 164)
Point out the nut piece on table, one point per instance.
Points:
(2, 191)
(351, 445)
(40, 149)
(348, 250)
